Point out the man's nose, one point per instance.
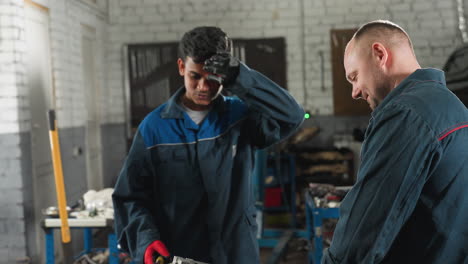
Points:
(203, 84)
(356, 93)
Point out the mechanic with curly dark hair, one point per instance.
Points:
(185, 187)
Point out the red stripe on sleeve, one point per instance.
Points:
(451, 131)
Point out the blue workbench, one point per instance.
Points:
(87, 225)
(314, 222)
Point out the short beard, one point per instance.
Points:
(383, 85)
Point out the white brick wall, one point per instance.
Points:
(167, 20)
(11, 69)
(66, 19)
(431, 23)
(145, 21)
(12, 119)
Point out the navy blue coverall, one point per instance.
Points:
(189, 185)
(410, 201)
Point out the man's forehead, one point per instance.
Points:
(193, 67)
(349, 53)
(350, 47)
(189, 63)
(350, 61)
(189, 60)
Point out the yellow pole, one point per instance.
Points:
(58, 173)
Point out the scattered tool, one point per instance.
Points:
(178, 260)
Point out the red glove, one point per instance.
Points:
(155, 247)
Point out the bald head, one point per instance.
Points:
(385, 32)
(387, 42)
(378, 57)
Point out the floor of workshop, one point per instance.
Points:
(296, 253)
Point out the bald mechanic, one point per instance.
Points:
(185, 187)
(410, 201)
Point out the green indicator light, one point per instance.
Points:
(306, 115)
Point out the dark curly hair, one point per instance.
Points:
(201, 43)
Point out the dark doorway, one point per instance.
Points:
(344, 104)
(153, 77)
(267, 56)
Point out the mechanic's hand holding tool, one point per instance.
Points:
(159, 249)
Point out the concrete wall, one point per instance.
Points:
(13, 196)
(114, 148)
(73, 163)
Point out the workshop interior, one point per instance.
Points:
(78, 77)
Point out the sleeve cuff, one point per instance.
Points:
(244, 81)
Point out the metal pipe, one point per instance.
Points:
(322, 70)
(303, 52)
(127, 92)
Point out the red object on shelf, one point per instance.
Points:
(272, 197)
(333, 198)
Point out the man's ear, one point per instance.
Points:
(381, 54)
(181, 65)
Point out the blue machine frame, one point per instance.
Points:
(275, 238)
(88, 244)
(314, 221)
(259, 174)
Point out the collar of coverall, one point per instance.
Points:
(420, 75)
(174, 109)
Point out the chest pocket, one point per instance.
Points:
(175, 171)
